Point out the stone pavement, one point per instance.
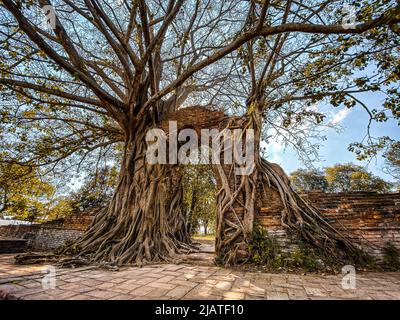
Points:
(169, 281)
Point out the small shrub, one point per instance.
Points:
(305, 259)
(264, 250)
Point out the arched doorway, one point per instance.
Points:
(242, 199)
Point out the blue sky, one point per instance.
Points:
(334, 150)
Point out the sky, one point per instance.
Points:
(353, 123)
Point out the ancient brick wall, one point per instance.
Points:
(372, 219)
(369, 218)
(52, 234)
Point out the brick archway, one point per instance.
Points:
(268, 200)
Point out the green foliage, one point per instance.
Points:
(391, 257)
(338, 178)
(308, 180)
(199, 197)
(57, 118)
(390, 150)
(265, 249)
(309, 259)
(26, 195)
(350, 177)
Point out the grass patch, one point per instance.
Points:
(209, 237)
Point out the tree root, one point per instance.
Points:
(300, 219)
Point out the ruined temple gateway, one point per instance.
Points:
(230, 220)
(272, 203)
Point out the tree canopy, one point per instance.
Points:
(304, 180)
(338, 178)
(96, 190)
(72, 92)
(26, 195)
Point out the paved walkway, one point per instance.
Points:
(170, 281)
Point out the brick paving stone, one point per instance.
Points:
(253, 297)
(276, 295)
(102, 294)
(187, 283)
(80, 297)
(39, 296)
(141, 291)
(178, 292)
(394, 294)
(123, 297)
(316, 292)
(242, 282)
(106, 285)
(91, 282)
(173, 268)
(233, 296)
(10, 287)
(155, 275)
(144, 280)
(169, 281)
(125, 287)
(157, 293)
(76, 287)
(119, 280)
(172, 273)
(239, 289)
(161, 285)
(224, 285)
(202, 296)
(295, 294)
(165, 279)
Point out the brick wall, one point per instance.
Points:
(52, 234)
(370, 218)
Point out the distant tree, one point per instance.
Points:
(96, 190)
(350, 177)
(24, 195)
(200, 198)
(303, 180)
(59, 207)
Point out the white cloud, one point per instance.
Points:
(340, 116)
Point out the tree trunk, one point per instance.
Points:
(141, 224)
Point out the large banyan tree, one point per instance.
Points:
(82, 79)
